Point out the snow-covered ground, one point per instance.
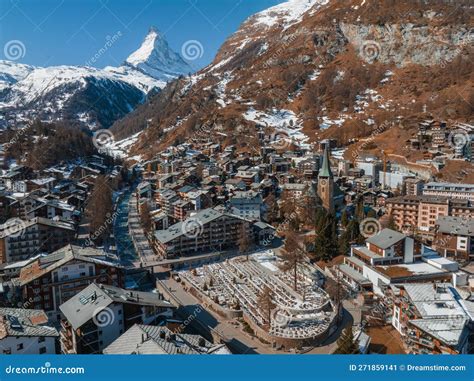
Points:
(283, 122)
(287, 13)
(120, 148)
(327, 122)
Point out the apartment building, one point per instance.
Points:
(99, 314)
(451, 190)
(389, 258)
(148, 339)
(418, 214)
(26, 331)
(414, 186)
(165, 198)
(247, 205)
(205, 231)
(23, 239)
(454, 237)
(431, 318)
(52, 209)
(51, 280)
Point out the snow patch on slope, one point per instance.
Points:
(282, 121)
(287, 13)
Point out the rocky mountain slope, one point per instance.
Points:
(94, 97)
(311, 69)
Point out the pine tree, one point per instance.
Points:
(326, 243)
(344, 244)
(353, 231)
(321, 220)
(359, 210)
(344, 218)
(346, 344)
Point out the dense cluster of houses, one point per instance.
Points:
(59, 293)
(61, 296)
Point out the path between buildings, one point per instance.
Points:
(140, 242)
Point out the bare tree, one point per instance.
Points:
(245, 241)
(145, 217)
(292, 255)
(265, 301)
(99, 209)
(272, 209)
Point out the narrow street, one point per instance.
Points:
(137, 234)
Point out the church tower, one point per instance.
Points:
(326, 183)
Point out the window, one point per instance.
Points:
(42, 350)
(19, 347)
(41, 339)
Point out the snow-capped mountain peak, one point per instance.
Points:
(96, 97)
(155, 57)
(12, 72)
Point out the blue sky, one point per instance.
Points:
(70, 32)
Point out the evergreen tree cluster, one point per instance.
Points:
(346, 344)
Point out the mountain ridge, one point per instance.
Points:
(338, 67)
(63, 92)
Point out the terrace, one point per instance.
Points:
(237, 283)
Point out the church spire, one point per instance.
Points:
(326, 167)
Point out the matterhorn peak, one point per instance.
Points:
(155, 57)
